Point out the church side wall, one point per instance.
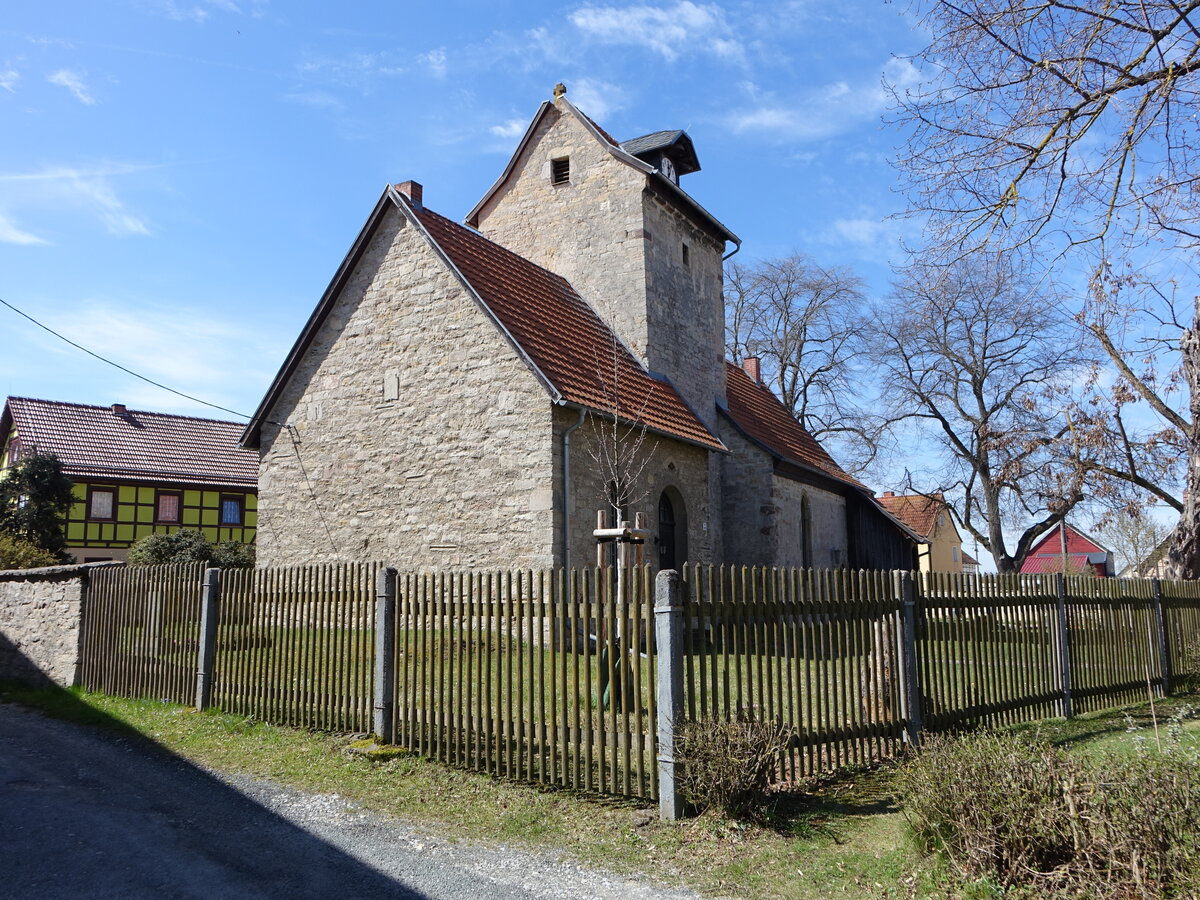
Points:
(589, 231)
(748, 512)
(670, 465)
(762, 512)
(424, 437)
(827, 514)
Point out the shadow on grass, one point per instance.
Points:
(106, 811)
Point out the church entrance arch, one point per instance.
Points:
(672, 529)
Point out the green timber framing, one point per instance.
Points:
(137, 473)
(136, 508)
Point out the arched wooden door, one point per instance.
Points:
(672, 530)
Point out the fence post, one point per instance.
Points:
(210, 598)
(1164, 648)
(385, 654)
(668, 633)
(914, 720)
(1064, 645)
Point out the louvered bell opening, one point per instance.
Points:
(560, 171)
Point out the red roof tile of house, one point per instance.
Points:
(1076, 563)
(569, 344)
(764, 419)
(916, 511)
(96, 442)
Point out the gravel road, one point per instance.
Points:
(88, 813)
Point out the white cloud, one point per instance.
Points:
(200, 12)
(73, 82)
(315, 99)
(359, 71)
(596, 98)
(436, 61)
(11, 234)
(9, 78)
(510, 129)
(829, 110)
(72, 188)
(667, 30)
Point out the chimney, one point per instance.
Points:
(119, 409)
(889, 493)
(750, 365)
(413, 191)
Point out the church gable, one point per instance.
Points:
(399, 389)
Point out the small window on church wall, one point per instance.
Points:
(560, 171)
(686, 256)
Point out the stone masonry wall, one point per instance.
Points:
(685, 311)
(424, 437)
(762, 511)
(827, 516)
(746, 475)
(590, 230)
(40, 616)
(671, 464)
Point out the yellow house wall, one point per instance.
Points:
(944, 551)
(134, 517)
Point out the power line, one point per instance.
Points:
(291, 429)
(121, 367)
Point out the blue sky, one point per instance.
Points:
(180, 178)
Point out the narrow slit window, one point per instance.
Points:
(560, 171)
(687, 261)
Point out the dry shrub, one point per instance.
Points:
(1040, 822)
(727, 765)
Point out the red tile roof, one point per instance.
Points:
(95, 442)
(1076, 563)
(764, 419)
(916, 511)
(572, 347)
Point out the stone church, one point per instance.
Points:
(451, 400)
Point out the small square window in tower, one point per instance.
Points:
(560, 171)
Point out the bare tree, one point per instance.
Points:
(1056, 126)
(618, 448)
(1130, 429)
(806, 324)
(1133, 538)
(976, 359)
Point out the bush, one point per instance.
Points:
(1036, 821)
(189, 546)
(17, 553)
(727, 765)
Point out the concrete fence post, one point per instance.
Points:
(385, 655)
(914, 713)
(1164, 647)
(210, 599)
(1064, 645)
(668, 633)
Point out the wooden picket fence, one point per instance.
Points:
(538, 675)
(295, 646)
(550, 676)
(140, 632)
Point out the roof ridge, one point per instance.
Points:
(142, 412)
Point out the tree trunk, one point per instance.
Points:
(1184, 555)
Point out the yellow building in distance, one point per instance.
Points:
(929, 517)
